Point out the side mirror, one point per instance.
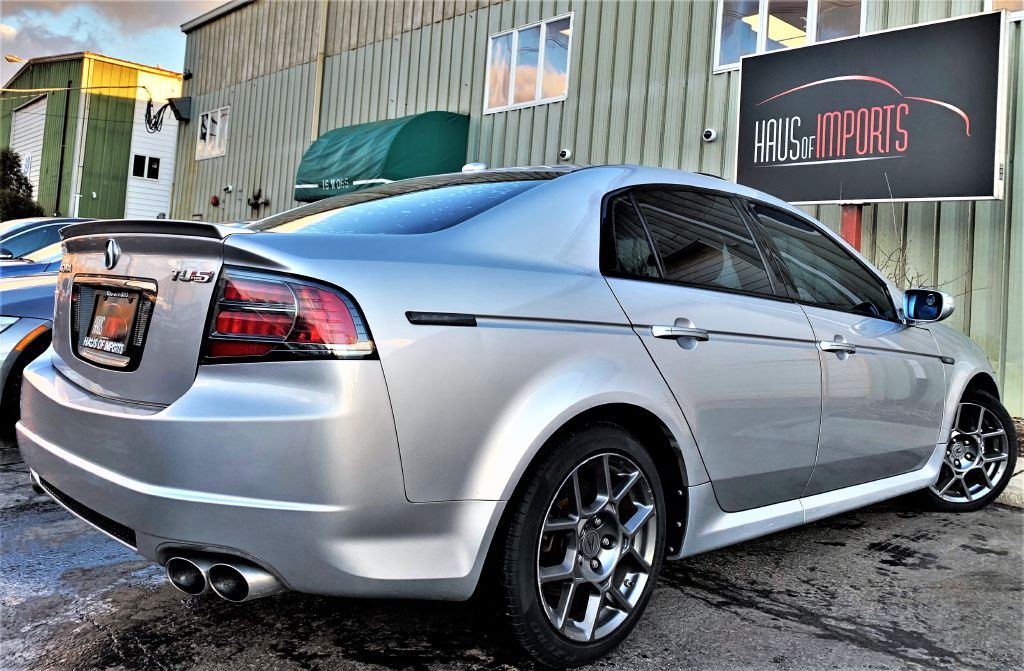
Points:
(926, 305)
(5, 253)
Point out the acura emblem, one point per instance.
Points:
(112, 254)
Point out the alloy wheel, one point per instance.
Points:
(597, 547)
(976, 456)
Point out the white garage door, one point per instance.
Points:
(27, 139)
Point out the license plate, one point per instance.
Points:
(112, 320)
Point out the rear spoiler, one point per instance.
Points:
(195, 229)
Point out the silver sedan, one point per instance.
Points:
(540, 380)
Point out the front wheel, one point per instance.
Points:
(979, 459)
(584, 546)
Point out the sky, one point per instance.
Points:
(144, 31)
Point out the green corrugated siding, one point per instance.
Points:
(641, 90)
(108, 139)
(48, 75)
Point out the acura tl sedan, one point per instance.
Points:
(544, 381)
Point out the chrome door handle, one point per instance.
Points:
(676, 332)
(836, 346)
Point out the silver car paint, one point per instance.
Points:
(293, 465)
(175, 330)
(232, 456)
(881, 406)
(751, 392)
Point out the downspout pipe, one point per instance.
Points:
(318, 81)
(63, 149)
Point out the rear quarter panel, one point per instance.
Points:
(473, 405)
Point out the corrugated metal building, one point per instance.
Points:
(643, 80)
(85, 143)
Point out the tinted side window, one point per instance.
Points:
(823, 272)
(702, 240)
(29, 241)
(633, 253)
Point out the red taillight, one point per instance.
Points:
(256, 291)
(257, 315)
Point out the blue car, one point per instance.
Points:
(19, 237)
(45, 260)
(26, 317)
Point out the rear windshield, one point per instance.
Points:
(409, 213)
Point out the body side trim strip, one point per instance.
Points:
(709, 527)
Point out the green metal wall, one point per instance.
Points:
(55, 74)
(641, 90)
(108, 138)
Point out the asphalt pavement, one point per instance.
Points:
(886, 587)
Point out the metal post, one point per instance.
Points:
(852, 217)
(63, 145)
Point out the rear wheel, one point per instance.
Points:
(584, 546)
(979, 459)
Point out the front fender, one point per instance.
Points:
(969, 361)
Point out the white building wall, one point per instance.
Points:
(146, 198)
(27, 138)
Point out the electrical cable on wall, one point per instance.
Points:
(154, 120)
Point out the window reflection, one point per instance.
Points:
(499, 71)
(787, 24)
(838, 18)
(529, 65)
(556, 59)
(739, 30)
(526, 65)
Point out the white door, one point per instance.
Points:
(27, 139)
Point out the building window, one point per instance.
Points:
(529, 65)
(1015, 8)
(758, 26)
(145, 167)
(212, 139)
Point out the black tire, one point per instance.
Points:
(930, 499)
(530, 624)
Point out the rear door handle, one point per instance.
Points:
(837, 347)
(676, 332)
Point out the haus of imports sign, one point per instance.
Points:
(910, 114)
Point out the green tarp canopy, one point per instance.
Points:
(355, 157)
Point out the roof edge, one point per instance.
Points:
(82, 55)
(43, 59)
(214, 14)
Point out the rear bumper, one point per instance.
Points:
(294, 466)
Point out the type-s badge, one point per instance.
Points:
(192, 276)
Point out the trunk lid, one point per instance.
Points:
(132, 303)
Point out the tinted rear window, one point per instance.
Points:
(409, 213)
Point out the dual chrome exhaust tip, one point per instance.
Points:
(231, 581)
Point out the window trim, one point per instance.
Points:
(608, 259)
(226, 135)
(825, 231)
(543, 23)
(148, 157)
(762, 34)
